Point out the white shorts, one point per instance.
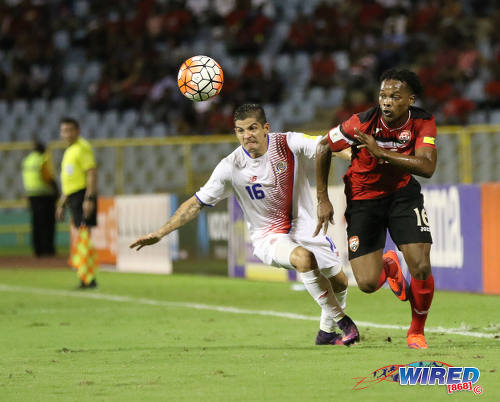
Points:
(276, 249)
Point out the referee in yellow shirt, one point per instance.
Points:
(79, 184)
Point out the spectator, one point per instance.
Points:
(300, 35)
(136, 44)
(323, 70)
(457, 109)
(354, 102)
(492, 89)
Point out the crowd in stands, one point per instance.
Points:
(125, 54)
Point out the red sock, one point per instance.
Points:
(422, 291)
(390, 267)
(382, 279)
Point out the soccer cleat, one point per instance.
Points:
(91, 285)
(416, 341)
(398, 284)
(327, 338)
(350, 331)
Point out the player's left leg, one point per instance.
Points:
(339, 284)
(409, 228)
(417, 256)
(330, 266)
(338, 281)
(321, 291)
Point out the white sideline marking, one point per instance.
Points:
(223, 309)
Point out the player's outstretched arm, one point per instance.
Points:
(188, 210)
(325, 207)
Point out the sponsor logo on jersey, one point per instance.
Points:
(253, 178)
(429, 140)
(281, 166)
(354, 243)
(404, 136)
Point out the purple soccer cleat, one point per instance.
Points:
(327, 338)
(350, 331)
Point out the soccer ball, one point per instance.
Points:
(200, 78)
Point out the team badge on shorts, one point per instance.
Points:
(353, 243)
(281, 166)
(404, 136)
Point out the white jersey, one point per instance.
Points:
(273, 189)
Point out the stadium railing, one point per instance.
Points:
(186, 162)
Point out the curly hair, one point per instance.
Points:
(408, 77)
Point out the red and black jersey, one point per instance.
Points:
(369, 177)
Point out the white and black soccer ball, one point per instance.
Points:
(200, 78)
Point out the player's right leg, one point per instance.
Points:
(368, 271)
(366, 232)
(395, 277)
(372, 270)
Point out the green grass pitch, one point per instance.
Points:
(161, 338)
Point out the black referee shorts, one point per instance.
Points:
(402, 213)
(75, 205)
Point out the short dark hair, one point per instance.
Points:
(70, 120)
(39, 146)
(250, 110)
(408, 77)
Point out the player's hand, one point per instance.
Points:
(147, 240)
(368, 142)
(60, 213)
(325, 216)
(88, 207)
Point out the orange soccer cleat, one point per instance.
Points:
(398, 284)
(416, 341)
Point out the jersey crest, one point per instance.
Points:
(281, 166)
(404, 136)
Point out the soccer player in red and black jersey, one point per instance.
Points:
(389, 143)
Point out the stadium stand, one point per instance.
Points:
(113, 66)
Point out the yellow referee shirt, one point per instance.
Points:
(77, 159)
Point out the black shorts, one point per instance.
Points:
(75, 205)
(402, 213)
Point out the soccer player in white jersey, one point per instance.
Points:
(266, 175)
